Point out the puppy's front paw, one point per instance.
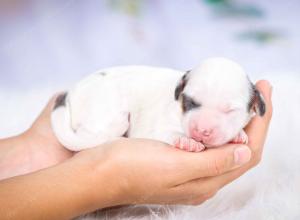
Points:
(188, 144)
(241, 138)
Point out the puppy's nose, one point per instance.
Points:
(202, 134)
(206, 132)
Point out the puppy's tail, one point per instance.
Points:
(69, 137)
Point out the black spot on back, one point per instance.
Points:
(180, 86)
(126, 134)
(60, 100)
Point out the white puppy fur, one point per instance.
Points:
(209, 105)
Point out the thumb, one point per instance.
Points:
(215, 161)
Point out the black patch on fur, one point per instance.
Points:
(126, 134)
(60, 100)
(251, 100)
(256, 101)
(180, 86)
(188, 103)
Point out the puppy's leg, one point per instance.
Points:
(188, 144)
(179, 141)
(241, 138)
(92, 113)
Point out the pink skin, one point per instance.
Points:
(203, 128)
(203, 131)
(188, 144)
(191, 145)
(197, 136)
(241, 138)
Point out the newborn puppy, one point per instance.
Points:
(207, 106)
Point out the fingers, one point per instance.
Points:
(47, 109)
(44, 116)
(41, 127)
(50, 104)
(212, 162)
(194, 193)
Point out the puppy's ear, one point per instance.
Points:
(181, 84)
(257, 103)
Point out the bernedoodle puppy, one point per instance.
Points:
(207, 106)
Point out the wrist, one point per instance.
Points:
(99, 179)
(61, 192)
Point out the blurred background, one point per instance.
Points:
(47, 45)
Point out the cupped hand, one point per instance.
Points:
(126, 171)
(146, 171)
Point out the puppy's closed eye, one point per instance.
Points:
(189, 103)
(229, 110)
(233, 110)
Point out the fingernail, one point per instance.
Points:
(242, 155)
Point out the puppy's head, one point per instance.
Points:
(217, 101)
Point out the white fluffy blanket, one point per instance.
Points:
(270, 191)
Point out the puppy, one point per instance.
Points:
(207, 106)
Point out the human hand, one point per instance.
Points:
(46, 150)
(34, 149)
(146, 171)
(128, 171)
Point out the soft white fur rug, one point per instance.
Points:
(269, 191)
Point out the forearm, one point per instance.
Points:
(14, 158)
(61, 192)
(27, 153)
